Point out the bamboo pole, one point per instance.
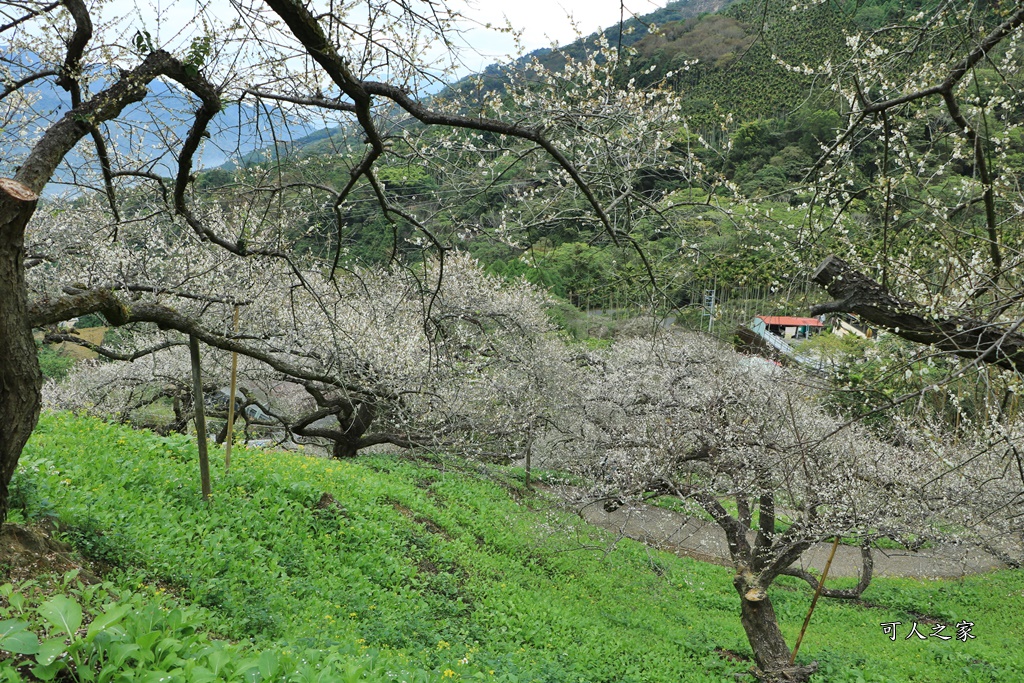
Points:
(197, 389)
(814, 601)
(231, 401)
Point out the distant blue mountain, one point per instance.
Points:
(148, 134)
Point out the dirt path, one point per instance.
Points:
(701, 540)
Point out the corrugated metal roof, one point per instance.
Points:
(788, 321)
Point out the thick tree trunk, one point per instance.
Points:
(766, 640)
(182, 409)
(999, 344)
(345, 448)
(20, 379)
(758, 617)
(198, 403)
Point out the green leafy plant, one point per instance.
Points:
(416, 568)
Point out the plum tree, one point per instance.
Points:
(148, 110)
(750, 445)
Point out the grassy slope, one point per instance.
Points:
(439, 575)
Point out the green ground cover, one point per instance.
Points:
(418, 571)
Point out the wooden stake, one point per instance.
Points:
(231, 401)
(814, 601)
(529, 452)
(197, 390)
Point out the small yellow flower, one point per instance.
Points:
(448, 673)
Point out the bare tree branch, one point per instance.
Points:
(31, 15)
(55, 338)
(320, 102)
(868, 565)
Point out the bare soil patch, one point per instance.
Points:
(30, 551)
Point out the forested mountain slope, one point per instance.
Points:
(755, 109)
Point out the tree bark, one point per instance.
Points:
(182, 407)
(758, 617)
(20, 378)
(762, 627)
(198, 402)
(345, 448)
(998, 344)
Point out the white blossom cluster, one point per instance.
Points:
(941, 201)
(680, 415)
(612, 132)
(435, 348)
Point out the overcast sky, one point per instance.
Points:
(545, 21)
(542, 22)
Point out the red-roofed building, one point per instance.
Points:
(788, 327)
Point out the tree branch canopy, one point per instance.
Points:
(61, 137)
(308, 31)
(105, 352)
(998, 344)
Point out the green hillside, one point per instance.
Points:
(761, 125)
(393, 568)
(633, 30)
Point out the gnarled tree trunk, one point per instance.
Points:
(996, 343)
(758, 617)
(345, 448)
(20, 379)
(757, 567)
